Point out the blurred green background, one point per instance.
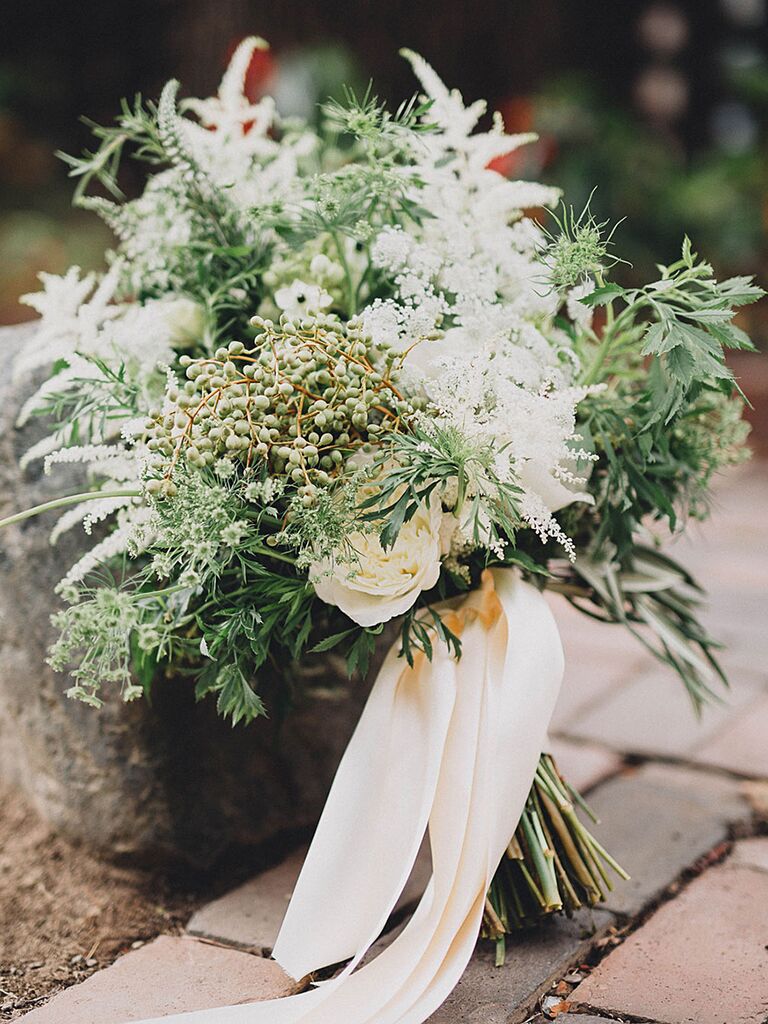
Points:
(661, 105)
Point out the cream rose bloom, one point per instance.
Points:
(185, 320)
(383, 584)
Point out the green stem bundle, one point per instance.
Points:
(553, 863)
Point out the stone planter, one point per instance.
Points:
(165, 780)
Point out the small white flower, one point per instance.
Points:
(300, 299)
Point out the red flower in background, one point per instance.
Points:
(519, 113)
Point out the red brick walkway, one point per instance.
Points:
(684, 807)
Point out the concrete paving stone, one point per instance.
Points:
(168, 975)
(658, 820)
(653, 714)
(737, 618)
(750, 853)
(741, 745)
(250, 915)
(599, 657)
(505, 995)
(756, 793)
(702, 958)
(727, 566)
(583, 764)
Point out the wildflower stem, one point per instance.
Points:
(613, 333)
(70, 499)
(350, 287)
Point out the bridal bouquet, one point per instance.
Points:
(345, 377)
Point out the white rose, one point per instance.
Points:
(185, 320)
(383, 584)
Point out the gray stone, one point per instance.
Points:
(583, 764)
(657, 821)
(250, 915)
(573, 1018)
(506, 995)
(653, 715)
(167, 779)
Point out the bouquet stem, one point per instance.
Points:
(553, 863)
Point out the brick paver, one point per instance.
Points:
(598, 659)
(587, 1018)
(658, 820)
(250, 915)
(169, 975)
(701, 959)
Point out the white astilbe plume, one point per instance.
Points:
(86, 453)
(69, 320)
(127, 537)
(230, 108)
(234, 140)
(44, 447)
(118, 468)
(87, 513)
(59, 383)
(448, 111)
(469, 263)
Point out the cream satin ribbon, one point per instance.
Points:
(452, 745)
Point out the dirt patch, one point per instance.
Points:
(65, 914)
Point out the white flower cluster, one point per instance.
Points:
(461, 299)
(472, 314)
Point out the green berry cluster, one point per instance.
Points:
(302, 398)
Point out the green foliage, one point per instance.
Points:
(658, 601)
(422, 627)
(435, 459)
(380, 132)
(84, 410)
(136, 126)
(579, 250)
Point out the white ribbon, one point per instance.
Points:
(452, 745)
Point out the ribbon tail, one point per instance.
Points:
(470, 733)
(374, 820)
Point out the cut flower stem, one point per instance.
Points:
(552, 865)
